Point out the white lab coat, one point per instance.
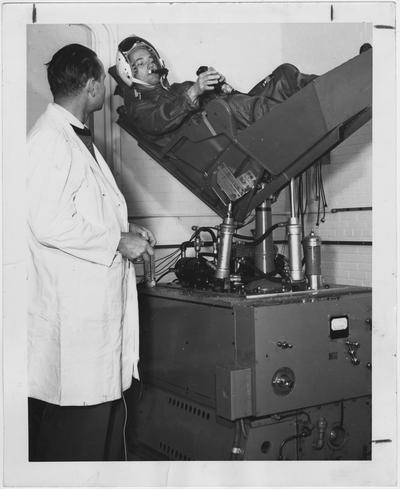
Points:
(83, 338)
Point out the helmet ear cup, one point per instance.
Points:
(124, 69)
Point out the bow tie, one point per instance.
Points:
(81, 132)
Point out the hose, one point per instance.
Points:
(304, 434)
(205, 229)
(261, 238)
(237, 452)
(243, 236)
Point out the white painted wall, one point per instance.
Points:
(42, 42)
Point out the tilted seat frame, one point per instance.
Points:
(220, 164)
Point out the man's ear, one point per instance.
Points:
(91, 86)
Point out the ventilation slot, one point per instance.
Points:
(173, 453)
(189, 408)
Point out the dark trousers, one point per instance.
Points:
(76, 433)
(282, 83)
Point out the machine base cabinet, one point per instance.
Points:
(283, 377)
(167, 427)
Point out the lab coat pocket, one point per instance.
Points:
(101, 290)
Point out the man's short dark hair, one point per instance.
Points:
(70, 68)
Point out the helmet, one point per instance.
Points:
(123, 66)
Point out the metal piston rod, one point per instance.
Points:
(227, 229)
(264, 256)
(294, 240)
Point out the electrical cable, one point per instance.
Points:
(317, 194)
(302, 201)
(320, 194)
(252, 219)
(163, 258)
(243, 428)
(306, 192)
(159, 262)
(236, 450)
(306, 432)
(164, 274)
(124, 299)
(299, 212)
(169, 266)
(124, 428)
(341, 414)
(324, 202)
(166, 263)
(270, 275)
(291, 415)
(166, 266)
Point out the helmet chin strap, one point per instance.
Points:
(136, 81)
(164, 82)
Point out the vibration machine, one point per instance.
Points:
(248, 354)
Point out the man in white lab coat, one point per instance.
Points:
(83, 339)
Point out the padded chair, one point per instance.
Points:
(222, 165)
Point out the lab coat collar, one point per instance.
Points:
(65, 118)
(97, 164)
(68, 116)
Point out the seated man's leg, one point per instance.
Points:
(282, 83)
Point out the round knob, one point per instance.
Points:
(283, 381)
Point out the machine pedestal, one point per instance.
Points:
(285, 376)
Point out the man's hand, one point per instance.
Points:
(132, 246)
(205, 82)
(143, 232)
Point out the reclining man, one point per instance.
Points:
(156, 109)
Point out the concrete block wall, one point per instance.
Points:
(347, 184)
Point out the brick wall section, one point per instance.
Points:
(347, 183)
(348, 178)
